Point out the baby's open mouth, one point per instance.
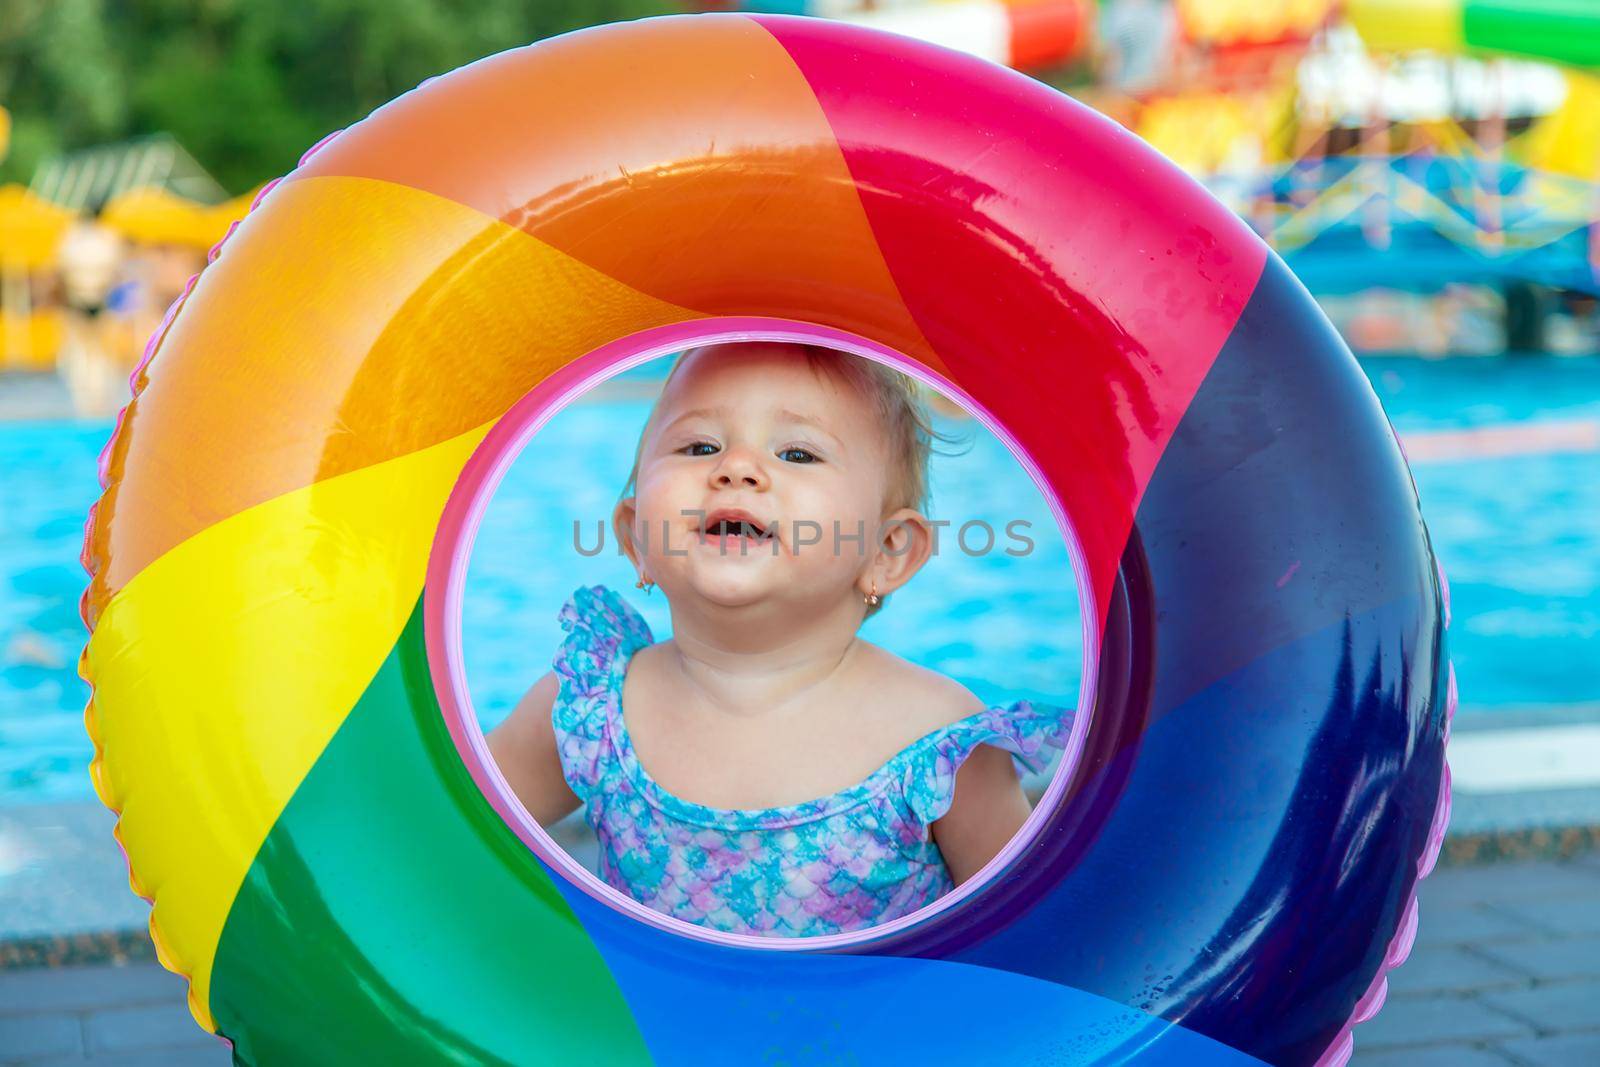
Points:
(723, 523)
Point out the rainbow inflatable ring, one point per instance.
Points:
(1224, 868)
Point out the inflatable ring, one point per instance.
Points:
(1225, 866)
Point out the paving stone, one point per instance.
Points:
(1452, 969)
(1472, 924)
(40, 989)
(31, 1036)
(167, 1057)
(149, 1027)
(1510, 883)
(1441, 1056)
(1566, 917)
(1564, 1050)
(1434, 1019)
(1554, 1007)
(1551, 959)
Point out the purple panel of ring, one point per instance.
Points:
(1269, 737)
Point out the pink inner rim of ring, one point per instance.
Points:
(458, 527)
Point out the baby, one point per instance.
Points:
(774, 773)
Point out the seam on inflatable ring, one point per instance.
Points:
(102, 786)
(890, 277)
(1339, 1052)
(141, 544)
(137, 381)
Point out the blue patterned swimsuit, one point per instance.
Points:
(854, 859)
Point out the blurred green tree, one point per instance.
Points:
(244, 85)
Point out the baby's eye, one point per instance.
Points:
(810, 457)
(690, 449)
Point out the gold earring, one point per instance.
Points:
(645, 584)
(872, 597)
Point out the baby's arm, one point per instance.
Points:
(987, 810)
(524, 748)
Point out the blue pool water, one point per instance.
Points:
(1518, 535)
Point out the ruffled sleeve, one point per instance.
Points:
(603, 631)
(1031, 732)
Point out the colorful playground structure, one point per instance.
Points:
(1400, 144)
(1564, 31)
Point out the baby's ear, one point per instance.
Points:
(907, 543)
(622, 517)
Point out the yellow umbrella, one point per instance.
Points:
(30, 229)
(31, 340)
(156, 217)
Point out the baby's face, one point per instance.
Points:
(753, 428)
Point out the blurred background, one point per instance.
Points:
(1429, 168)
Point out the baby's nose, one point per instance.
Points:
(745, 477)
(738, 466)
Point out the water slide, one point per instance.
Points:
(1559, 31)
(1562, 31)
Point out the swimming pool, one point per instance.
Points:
(1518, 535)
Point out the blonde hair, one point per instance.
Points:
(899, 402)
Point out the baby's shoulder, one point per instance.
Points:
(932, 700)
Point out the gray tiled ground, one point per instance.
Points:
(1550, 960)
(105, 1016)
(1506, 973)
(1562, 1050)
